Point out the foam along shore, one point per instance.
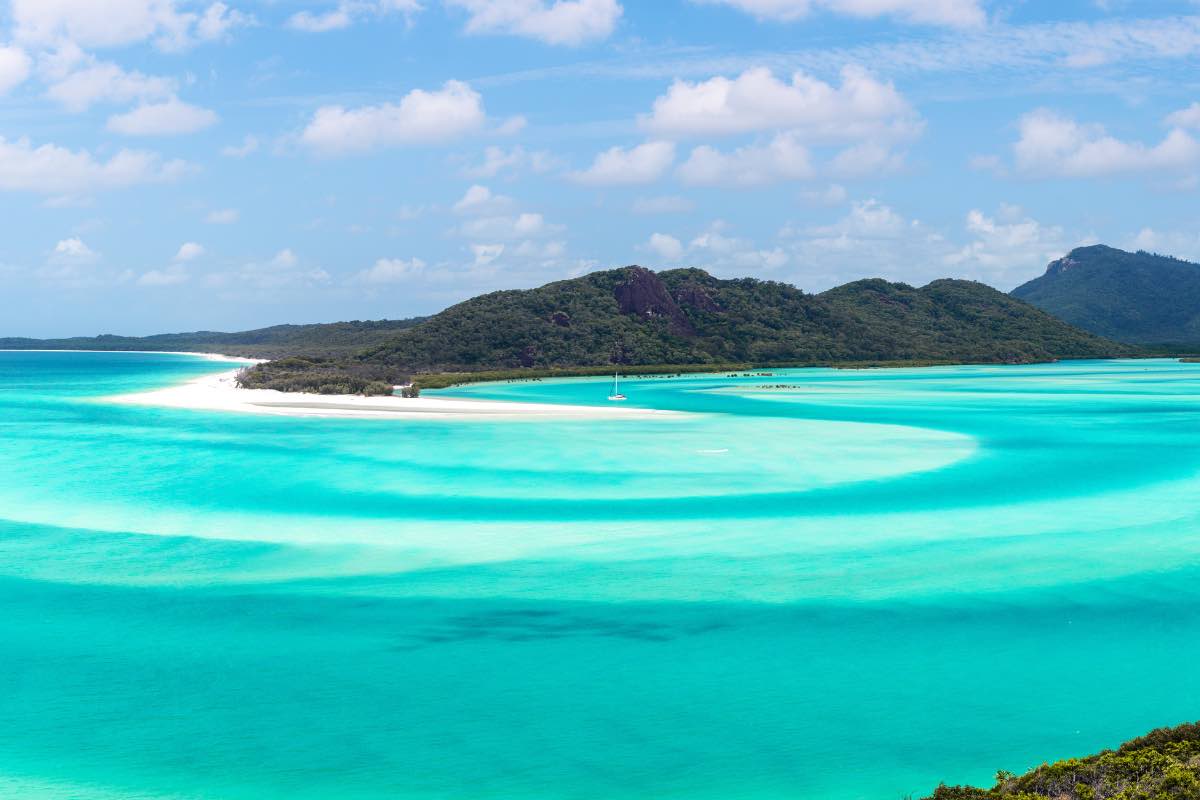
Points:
(220, 392)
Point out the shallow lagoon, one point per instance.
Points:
(850, 587)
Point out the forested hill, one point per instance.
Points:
(1131, 297)
(686, 316)
(322, 340)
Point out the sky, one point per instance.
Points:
(170, 165)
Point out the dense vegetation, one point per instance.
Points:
(336, 338)
(320, 376)
(1138, 297)
(633, 317)
(638, 320)
(1162, 765)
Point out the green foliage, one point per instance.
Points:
(1162, 765)
(1131, 297)
(319, 376)
(639, 321)
(325, 340)
(694, 318)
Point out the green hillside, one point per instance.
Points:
(1130, 297)
(634, 316)
(1162, 765)
(331, 339)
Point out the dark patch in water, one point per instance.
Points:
(540, 625)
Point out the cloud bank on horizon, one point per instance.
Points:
(183, 164)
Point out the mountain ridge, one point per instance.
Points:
(1139, 298)
(635, 317)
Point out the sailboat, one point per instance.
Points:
(616, 395)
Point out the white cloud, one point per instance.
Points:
(526, 225)
(50, 169)
(1186, 117)
(480, 200)
(1051, 145)
(715, 251)
(99, 82)
(560, 22)
(1181, 244)
(347, 12)
(783, 158)
(952, 13)
(248, 146)
(664, 204)
(189, 251)
(167, 276)
(1006, 249)
(665, 246)
(832, 195)
(391, 270)
(71, 265)
(498, 159)
(168, 118)
(868, 219)
(861, 107)
(14, 68)
(218, 20)
(282, 271)
(116, 23)
(512, 126)
(223, 216)
(486, 253)
(419, 117)
(74, 251)
(867, 158)
(332, 20)
(618, 166)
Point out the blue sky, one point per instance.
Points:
(169, 165)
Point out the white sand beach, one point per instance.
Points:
(220, 392)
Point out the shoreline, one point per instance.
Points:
(219, 392)
(205, 356)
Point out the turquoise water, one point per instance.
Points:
(853, 586)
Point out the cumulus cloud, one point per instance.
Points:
(347, 12)
(781, 159)
(1186, 117)
(71, 265)
(666, 247)
(249, 145)
(104, 82)
(189, 251)
(860, 107)
(952, 13)
(74, 251)
(170, 275)
(116, 23)
(391, 270)
(525, 225)
(53, 170)
(619, 166)
(480, 200)
(558, 22)
(497, 160)
(421, 117)
(485, 254)
(14, 68)
(283, 271)
(168, 118)
(1052, 145)
(1009, 247)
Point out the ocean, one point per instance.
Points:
(831, 584)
